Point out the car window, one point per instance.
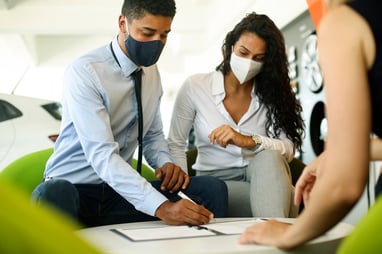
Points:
(54, 109)
(8, 111)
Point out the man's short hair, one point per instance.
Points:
(136, 9)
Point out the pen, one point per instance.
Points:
(184, 196)
(209, 229)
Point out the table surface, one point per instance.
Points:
(113, 243)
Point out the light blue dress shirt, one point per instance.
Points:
(99, 129)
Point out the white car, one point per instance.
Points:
(26, 125)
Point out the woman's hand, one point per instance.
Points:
(265, 233)
(306, 181)
(224, 135)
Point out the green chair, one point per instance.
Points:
(366, 236)
(27, 228)
(147, 172)
(27, 171)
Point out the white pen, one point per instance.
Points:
(184, 196)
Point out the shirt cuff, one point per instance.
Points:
(151, 202)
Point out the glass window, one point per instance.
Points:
(8, 111)
(54, 109)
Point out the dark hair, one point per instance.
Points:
(272, 83)
(135, 9)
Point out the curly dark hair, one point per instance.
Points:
(272, 83)
(135, 9)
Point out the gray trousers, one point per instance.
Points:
(262, 189)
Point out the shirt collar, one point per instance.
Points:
(127, 65)
(218, 91)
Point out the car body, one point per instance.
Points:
(27, 124)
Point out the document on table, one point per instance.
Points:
(175, 232)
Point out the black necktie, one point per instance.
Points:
(137, 75)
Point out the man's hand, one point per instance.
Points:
(173, 177)
(183, 212)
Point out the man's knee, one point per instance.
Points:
(54, 189)
(59, 193)
(214, 192)
(211, 183)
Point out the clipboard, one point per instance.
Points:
(167, 232)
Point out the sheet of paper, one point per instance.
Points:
(232, 227)
(174, 232)
(162, 233)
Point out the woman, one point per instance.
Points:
(246, 120)
(350, 48)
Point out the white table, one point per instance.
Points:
(113, 243)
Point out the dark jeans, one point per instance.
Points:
(98, 204)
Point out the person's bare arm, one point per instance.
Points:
(343, 173)
(376, 149)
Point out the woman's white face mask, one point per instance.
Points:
(243, 68)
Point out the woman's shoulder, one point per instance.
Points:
(336, 35)
(199, 83)
(200, 80)
(202, 77)
(336, 22)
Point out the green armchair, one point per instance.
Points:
(27, 172)
(27, 228)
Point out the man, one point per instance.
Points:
(89, 175)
